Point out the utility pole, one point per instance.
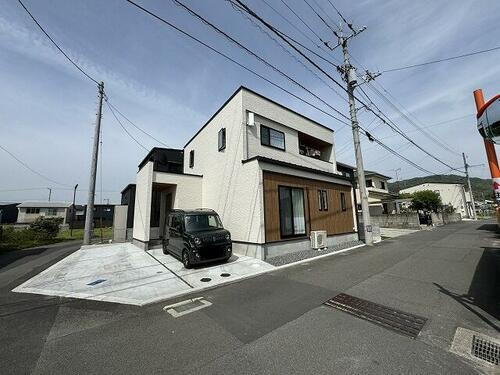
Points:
(50, 193)
(89, 215)
(351, 79)
(470, 188)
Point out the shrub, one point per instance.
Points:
(426, 200)
(46, 228)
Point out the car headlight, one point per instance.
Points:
(228, 236)
(197, 241)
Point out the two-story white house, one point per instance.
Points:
(380, 199)
(268, 171)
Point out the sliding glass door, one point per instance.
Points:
(292, 212)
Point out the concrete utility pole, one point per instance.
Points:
(89, 214)
(351, 79)
(470, 188)
(50, 193)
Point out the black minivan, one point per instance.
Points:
(196, 237)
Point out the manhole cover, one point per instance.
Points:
(225, 274)
(485, 350)
(205, 279)
(396, 320)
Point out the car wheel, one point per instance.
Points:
(164, 246)
(185, 259)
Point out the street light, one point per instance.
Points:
(73, 212)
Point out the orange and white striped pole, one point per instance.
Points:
(490, 148)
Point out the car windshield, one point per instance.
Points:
(196, 223)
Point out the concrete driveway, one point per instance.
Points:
(123, 273)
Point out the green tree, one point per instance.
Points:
(426, 200)
(46, 228)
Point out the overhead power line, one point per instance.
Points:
(133, 124)
(124, 128)
(306, 25)
(159, 18)
(57, 46)
(25, 165)
(319, 16)
(441, 60)
(379, 115)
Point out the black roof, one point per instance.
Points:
(195, 211)
(174, 155)
(128, 187)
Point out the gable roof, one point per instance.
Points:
(262, 97)
(42, 204)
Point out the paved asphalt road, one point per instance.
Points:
(274, 323)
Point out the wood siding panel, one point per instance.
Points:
(334, 221)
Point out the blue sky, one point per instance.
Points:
(170, 86)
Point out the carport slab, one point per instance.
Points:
(123, 273)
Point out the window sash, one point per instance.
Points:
(222, 139)
(272, 138)
(291, 211)
(191, 159)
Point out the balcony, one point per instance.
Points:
(314, 148)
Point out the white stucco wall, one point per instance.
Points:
(186, 190)
(453, 194)
(276, 117)
(23, 217)
(231, 188)
(142, 210)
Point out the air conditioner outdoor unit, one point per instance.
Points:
(318, 239)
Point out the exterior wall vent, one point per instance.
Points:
(250, 118)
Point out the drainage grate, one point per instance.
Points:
(225, 274)
(186, 307)
(205, 279)
(396, 320)
(485, 350)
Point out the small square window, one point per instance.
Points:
(191, 159)
(369, 183)
(222, 139)
(51, 211)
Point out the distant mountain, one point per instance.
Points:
(481, 187)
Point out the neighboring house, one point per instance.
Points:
(379, 198)
(103, 215)
(128, 199)
(268, 171)
(30, 211)
(451, 194)
(8, 212)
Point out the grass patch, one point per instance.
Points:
(18, 239)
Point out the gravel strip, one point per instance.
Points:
(281, 260)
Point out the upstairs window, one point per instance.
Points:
(272, 138)
(343, 206)
(191, 159)
(382, 185)
(369, 183)
(222, 139)
(322, 200)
